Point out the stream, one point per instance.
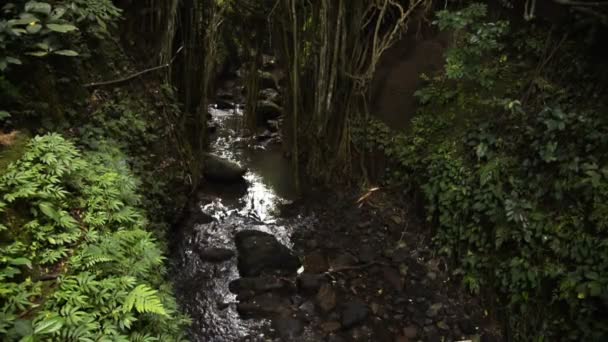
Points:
(251, 261)
(203, 287)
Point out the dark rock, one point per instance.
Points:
(248, 287)
(264, 306)
(433, 310)
(211, 127)
(214, 254)
(326, 298)
(270, 94)
(264, 136)
(273, 125)
(288, 328)
(353, 313)
(367, 253)
(400, 255)
(330, 326)
(392, 277)
(432, 335)
(222, 170)
(443, 325)
(310, 283)
(467, 327)
(223, 104)
(410, 332)
(343, 260)
(267, 110)
(198, 217)
(268, 81)
(307, 308)
(259, 251)
(315, 262)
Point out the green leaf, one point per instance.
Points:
(13, 60)
(61, 28)
(57, 13)
(38, 53)
(69, 53)
(21, 261)
(4, 115)
(33, 29)
(48, 326)
(48, 210)
(38, 7)
(23, 327)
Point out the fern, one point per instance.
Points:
(145, 300)
(78, 215)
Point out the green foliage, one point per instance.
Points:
(75, 262)
(42, 28)
(518, 193)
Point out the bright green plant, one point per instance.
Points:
(75, 261)
(42, 28)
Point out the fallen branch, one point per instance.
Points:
(130, 77)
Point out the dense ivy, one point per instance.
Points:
(517, 192)
(75, 261)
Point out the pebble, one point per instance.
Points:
(433, 310)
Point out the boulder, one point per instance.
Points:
(249, 287)
(270, 94)
(326, 298)
(214, 254)
(288, 328)
(354, 313)
(264, 306)
(267, 80)
(268, 110)
(259, 251)
(222, 170)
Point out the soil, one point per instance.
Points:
(378, 261)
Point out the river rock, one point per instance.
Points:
(310, 283)
(246, 287)
(224, 104)
(264, 306)
(326, 298)
(267, 80)
(222, 170)
(354, 313)
(214, 254)
(268, 110)
(270, 95)
(288, 328)
(259, 251)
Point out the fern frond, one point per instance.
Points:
(145, 300)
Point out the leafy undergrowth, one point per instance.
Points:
(75, 261)
(514, 172)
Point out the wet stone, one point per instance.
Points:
(315, 262)
(255, 285)
(259, 251)
(214, 254)
(222, 170)
(264, 306)
(410, 332)
(326, 298)
(330, 326)
(433, 310)
(310, 283)
(354, 313)
(393, 278)
(288, 328)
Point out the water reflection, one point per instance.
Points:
(252, 204)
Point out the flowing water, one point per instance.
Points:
(202, 287)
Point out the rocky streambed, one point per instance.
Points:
(252, 262)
